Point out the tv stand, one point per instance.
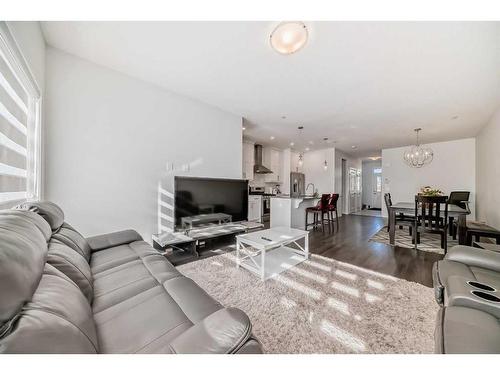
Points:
(189, 222)
(200, 242)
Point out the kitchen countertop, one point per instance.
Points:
(289, 197)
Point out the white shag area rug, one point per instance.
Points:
(324, 306)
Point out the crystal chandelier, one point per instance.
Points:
(418, 156)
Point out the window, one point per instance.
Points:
(377, 170)
(379, 184)
(19, 125)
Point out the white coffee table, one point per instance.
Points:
(266, 252)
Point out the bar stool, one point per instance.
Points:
(320, 209)
(332, 207)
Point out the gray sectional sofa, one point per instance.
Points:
(63, 293)
(467, 287)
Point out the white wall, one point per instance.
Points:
(453, 168)
(110, 138)
(488, 172)
(324, 181)
(368, 181)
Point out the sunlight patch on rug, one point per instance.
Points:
(324, 306)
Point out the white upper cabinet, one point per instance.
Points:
(273, 160)
(248, 160)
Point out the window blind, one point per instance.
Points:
(18, 120)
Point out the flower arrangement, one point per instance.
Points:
(430, 192)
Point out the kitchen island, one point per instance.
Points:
(290, 212)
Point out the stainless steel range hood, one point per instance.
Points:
(258, 167)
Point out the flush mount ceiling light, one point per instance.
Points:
(418, 156)
(289, 37)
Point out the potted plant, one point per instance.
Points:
(430, 192)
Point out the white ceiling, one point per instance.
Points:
(366, 84)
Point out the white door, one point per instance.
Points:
(377, 188)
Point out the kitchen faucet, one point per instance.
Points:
(307, 187)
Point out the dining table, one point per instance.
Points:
(408, 208)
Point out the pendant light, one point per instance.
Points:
(418, 156)
(301, 155)
(325, 166)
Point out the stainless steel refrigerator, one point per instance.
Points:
(297, 184)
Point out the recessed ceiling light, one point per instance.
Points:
(353, 147)
(271, 137)
(292, 144)
(307, 148)
(289, 37)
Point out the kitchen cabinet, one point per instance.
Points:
(273, 160)
(254, 208)
(248, 160)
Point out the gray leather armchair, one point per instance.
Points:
(467, 284)
(114, 293)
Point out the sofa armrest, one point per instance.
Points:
(108, 240)
(472, 256)
(224, 331)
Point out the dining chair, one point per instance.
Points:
(460, 199)
(431, 216)
(401, 219)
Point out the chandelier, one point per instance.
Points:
(418, 156)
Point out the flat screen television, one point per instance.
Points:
(195, 196)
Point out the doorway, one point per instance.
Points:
(342, 198)
(372, 185)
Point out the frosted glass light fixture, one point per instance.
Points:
(289, 37)
(325, 165)
(418, 156)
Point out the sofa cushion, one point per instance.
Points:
(23, 249)
(73, 265)
(105, 241)
(224, 331)
(107, 259)
(146, 320)
(136, 267)
(57, 319)
(72, 238)
(51, 212)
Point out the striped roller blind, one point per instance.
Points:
(17, 131)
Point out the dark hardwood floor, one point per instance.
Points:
(351, 245)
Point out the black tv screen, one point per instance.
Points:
(195, 196)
